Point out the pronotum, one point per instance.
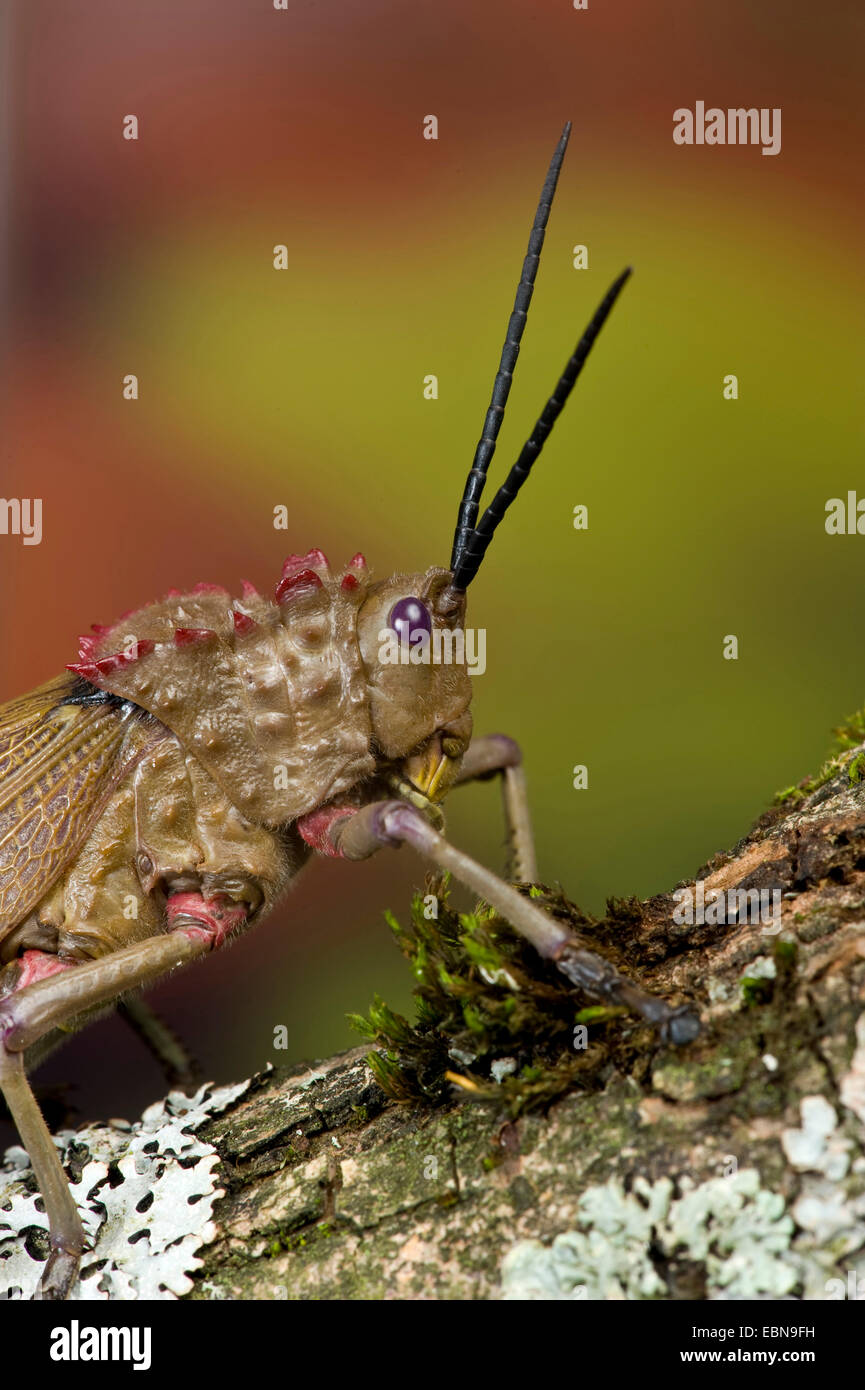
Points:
(204, 747)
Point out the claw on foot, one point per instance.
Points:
(598, 977)
(59, 1275)
(681, 1027)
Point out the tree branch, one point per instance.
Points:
(731, 1168)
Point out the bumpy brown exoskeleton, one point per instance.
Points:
(157, 800)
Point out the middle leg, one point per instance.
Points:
(497, 755)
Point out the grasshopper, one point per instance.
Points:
(157, 799)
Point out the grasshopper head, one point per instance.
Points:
(411, 635)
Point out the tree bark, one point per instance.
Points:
(728, 1169)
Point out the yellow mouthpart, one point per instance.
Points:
(430, 778)
(431, 770)
(406, 791)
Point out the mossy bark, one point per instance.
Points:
(333, 1190)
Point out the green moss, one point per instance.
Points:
(394, 1080)
(720, 1072)
(627, 911)
(785, 954)
(785, 951)
(481, 994)
(599, 1013)
(848, 736)
(299, 1240)
(756, 989)
(852, 731)
(856, 770)
(447, 1199)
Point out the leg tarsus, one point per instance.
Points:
(682, 1026)
(59, 1275)
(598, 977)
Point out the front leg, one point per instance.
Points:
(392, 823)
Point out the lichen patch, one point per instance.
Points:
(145, 1195)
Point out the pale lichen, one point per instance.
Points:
(852, 1089)
(828, 1217)
(817, 1147)
(145, 1194)
(736, 1229)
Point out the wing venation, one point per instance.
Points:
(56, 766)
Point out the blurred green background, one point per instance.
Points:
(305, 387)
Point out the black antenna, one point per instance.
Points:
(468, 512)
(476, 546)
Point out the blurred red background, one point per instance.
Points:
(259, 126)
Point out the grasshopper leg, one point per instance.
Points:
(25, 1016)
(392, 823)
(496, 754)
(66, 1232)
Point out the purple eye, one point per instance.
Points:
(408, 618)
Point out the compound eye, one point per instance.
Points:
(409, 617)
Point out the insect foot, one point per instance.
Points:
(394, 822)
(596, 976)
(61, 1271)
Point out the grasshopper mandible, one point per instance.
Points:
(157, 799)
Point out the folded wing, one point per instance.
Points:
(58, 764)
